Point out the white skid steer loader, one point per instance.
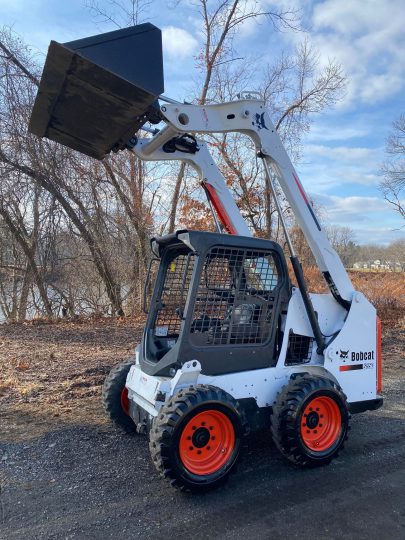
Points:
(229, 345)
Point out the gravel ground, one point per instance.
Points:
(66, 473)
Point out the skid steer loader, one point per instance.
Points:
(229, 346)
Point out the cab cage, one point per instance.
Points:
(217, 299)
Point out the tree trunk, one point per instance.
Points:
(25, 289)
(20, 238)
(112, 288)
(176, 195)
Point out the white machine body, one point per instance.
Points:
(352, 356)
(351, 360)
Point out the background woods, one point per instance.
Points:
(74, 232)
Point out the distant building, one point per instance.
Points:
(379, 266)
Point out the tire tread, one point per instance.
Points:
(283, 418)
(171, 413)
(111, 396)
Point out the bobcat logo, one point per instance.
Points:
(260, 121)
(344, 354)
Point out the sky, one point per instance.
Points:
(344, 149)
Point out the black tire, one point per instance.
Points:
(297, 427)
(174, 422)
(113, 386)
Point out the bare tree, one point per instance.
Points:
(343, 241)
(11, 213)
(395, 254)
(55, 169)
(111, 205)
(220, 22)
(137, 187)
(119, 13)
(393, 184)
(15, 276)
(294, 88)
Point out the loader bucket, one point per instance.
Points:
(96, 92)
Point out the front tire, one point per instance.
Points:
(310, 420)
(196, 439)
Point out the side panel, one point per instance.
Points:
(143, 389)
(352, 356)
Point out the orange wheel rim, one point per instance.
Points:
(207, 442)
(321, 424)
(125, 400)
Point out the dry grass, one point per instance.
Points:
(386, 290)
(51, 373)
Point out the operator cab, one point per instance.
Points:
(217, 299)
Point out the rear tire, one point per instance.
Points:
(310, 420)
(115, 396)
(196, 439)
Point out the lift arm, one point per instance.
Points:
(210, 177)
(250, 117)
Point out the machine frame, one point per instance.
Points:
(347, 320)
(225, 366)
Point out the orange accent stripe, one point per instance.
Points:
(303, 194)
(220, 210)
(379, 357)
